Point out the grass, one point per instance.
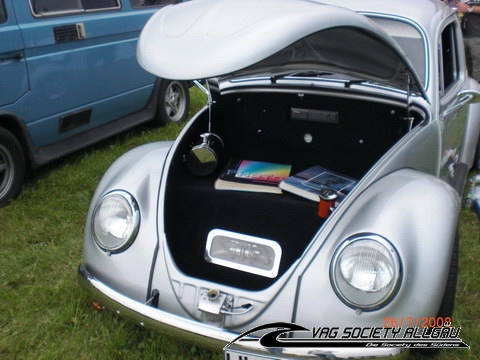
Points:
(45, 315)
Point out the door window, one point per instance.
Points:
(449, 70)
(453, 109)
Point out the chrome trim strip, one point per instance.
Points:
(209, 336)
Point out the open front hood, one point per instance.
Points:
(209, 38)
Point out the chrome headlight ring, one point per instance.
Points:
(365, 272)
(115, 221)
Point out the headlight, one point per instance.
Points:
(115, 221)
(365, 272)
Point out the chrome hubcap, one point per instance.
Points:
(175, 101)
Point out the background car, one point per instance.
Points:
(291, 85)
(70, 78)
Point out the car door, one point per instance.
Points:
(454, 105)
(13, 73)
(81, 61)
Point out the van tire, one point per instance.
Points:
(12, 167)
(173, 102)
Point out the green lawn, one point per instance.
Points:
(45, 315)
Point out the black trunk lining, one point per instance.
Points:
(193, 211)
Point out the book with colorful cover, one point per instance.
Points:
(309, 182)
(249, 175)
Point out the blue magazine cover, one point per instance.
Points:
(309, 182)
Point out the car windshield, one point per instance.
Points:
(331, 52)
(410, 40)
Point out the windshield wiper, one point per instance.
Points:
(349, 83)
(312, 73)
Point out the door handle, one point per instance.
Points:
(465, 99)
(12, 57)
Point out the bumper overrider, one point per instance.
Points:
(212, 337)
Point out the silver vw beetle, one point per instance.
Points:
(375, 93)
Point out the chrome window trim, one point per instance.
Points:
(41, 15)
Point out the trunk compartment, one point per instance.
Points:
(349, 134)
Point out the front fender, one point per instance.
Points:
(138, 172)
(418, 214)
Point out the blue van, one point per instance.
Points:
(69, 77)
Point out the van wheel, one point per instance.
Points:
(173, 102)
(12, 167)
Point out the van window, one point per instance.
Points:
(3, 16)
(52, 7)
(144, 3)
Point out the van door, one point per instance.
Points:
(13, 72)
(81, 61)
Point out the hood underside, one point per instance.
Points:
(227, 38)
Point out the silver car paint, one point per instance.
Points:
(137, 172)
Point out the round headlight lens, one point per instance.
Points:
(115, 221)
(365, 272)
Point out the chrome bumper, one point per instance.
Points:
(205, 335)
